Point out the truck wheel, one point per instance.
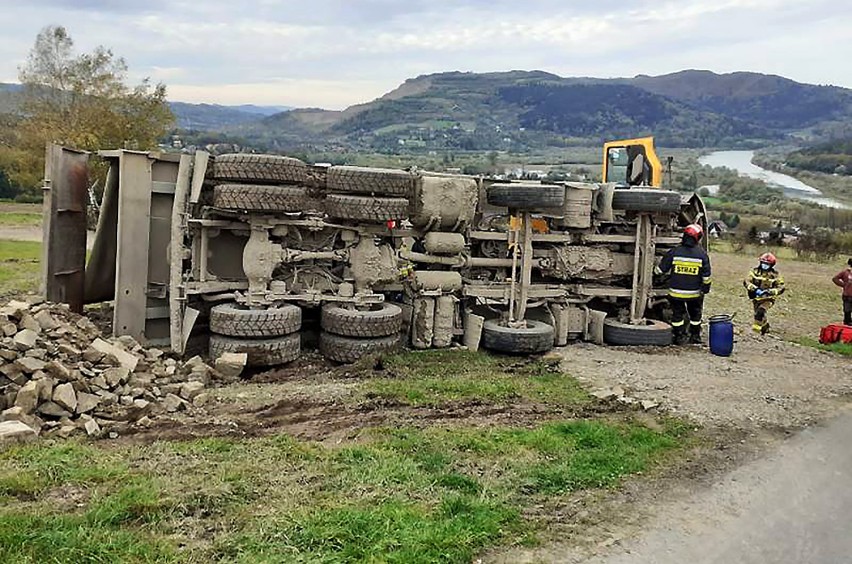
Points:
(255, 197)
(265, 169)
(536, 337)
(381, 320)
(261, 352)
(365, 208)
(237, 321)
(364, 180)
(351, 349)
(526, 196)
(646, 200)
(654, 333)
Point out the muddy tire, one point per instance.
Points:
(536, 337)
(235, 321)
(526, 196)
(383, 321)
(379, 181)
(261, 352)
(351, 349)
(653, 333)
(365, 208)
(255, 197)
(646, 200)
(262, 169)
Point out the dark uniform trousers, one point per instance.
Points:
(687, 310)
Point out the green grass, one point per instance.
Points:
(839, 348)
(19, 266)
(433, 378)
(20, 218)
(29, 471)
(106, 530)
(438, 494)
(34, 539)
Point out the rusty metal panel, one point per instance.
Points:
(64, 228)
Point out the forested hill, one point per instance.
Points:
(519, 109)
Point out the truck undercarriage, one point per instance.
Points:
(233, 252)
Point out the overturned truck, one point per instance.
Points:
(268, 255)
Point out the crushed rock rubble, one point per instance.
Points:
(59, 376)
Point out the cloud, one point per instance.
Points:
(335, 52)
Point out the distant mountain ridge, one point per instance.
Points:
(522, 109)
(519, 110)
(207, 117)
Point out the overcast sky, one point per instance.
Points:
(334, 53)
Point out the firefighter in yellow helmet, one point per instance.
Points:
(764, 284)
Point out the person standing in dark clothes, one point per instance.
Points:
(689, 265)
(844, 280)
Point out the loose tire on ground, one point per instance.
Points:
(382, 320)
(536, 337)
(646, 200)
(365, 208)
(261, 352)
(234, 320)
(256, 197)
(380, 181)
(653, 333)
(262, 169)
(526, 196)
(352, 349)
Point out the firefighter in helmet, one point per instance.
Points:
(689, 265)
(764, 284)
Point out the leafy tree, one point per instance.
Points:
(82, 101)
(752, 235)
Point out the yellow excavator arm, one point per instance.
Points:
(633, 162)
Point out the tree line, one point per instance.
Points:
(80, 100)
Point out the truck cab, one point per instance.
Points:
(632, 162)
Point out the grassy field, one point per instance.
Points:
(431, 492)
(810, 302)
(20, 218)
(19, 266)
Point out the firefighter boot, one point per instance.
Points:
(695, 334)
(679, 335)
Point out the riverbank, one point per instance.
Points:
(836, 187)
(744, 163)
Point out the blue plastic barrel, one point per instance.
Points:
(722, 335)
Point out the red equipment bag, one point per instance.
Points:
(835, 333)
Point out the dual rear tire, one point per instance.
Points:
(350, 334)
(268, 336)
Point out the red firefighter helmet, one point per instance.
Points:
(768, 258)
(694, 230)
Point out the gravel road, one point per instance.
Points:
(766, 382)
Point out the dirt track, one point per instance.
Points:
(766, 382)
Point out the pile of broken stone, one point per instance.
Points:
(59, 375)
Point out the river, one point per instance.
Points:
(740, 161)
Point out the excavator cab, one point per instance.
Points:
(632, 162)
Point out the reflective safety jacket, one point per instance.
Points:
(770, 281)
(690, 268)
